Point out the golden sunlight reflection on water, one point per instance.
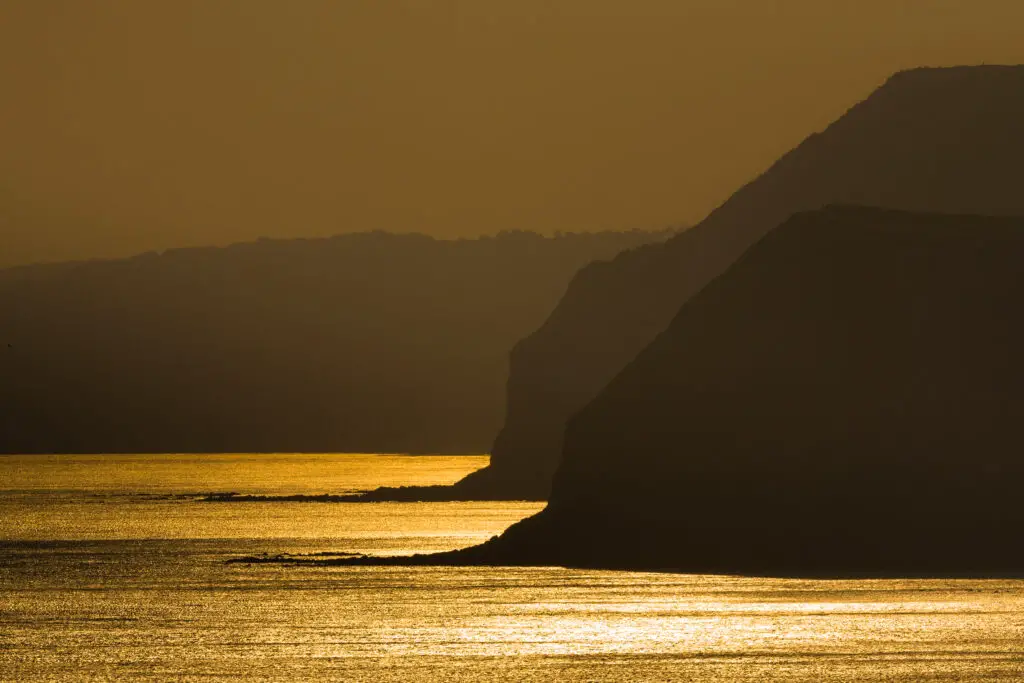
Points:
(99, 583)
(264, 474)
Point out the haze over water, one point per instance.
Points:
(111, 568)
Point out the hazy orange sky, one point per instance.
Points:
(128, 126)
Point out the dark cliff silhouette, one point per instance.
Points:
(946, 140)
(846, 399)
(365, 342)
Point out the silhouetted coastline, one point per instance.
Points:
(945, 140)
(845, 401)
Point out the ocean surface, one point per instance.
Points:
(112, 568)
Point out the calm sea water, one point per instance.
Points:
(111, 570)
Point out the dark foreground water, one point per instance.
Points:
(110, 569)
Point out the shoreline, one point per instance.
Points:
(463, 558)
(385, 494)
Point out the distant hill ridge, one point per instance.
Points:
(946, 140)
(363, 342)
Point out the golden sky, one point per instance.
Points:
(127, 126)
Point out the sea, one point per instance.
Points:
(114, 568)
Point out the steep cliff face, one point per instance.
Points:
(365, 342)
(940, 140)
(847, 397)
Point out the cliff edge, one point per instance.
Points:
(847, 398)
(946, 140)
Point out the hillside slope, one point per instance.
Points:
(847, 398)
(942, 140)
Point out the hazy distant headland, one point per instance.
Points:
(369, 342)
(946, 140)
(845, 399)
